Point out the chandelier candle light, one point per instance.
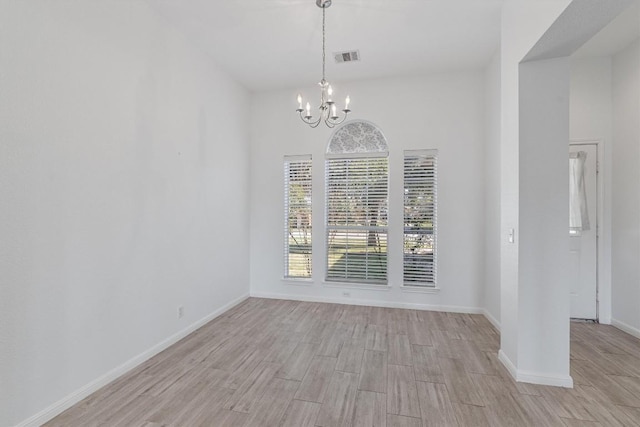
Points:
(328, 112)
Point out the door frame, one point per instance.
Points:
(599, 215)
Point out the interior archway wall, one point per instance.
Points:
(535, 131)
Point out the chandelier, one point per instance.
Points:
(328, 113)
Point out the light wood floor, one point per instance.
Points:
(286, 363)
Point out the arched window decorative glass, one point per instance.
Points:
(357, 187)
(357, 137)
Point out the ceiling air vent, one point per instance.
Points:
(349, 56)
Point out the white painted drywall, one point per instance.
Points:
(523, 23)
(491, 295)
(123, 188)
(543, 267)
(591, 118)
(534, 307)
(625, 244)
(443, 111)
(591, 102)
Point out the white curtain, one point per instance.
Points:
(578, 213)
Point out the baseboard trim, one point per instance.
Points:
(75, 397)
(555, 380)
(511, 367)
(373, 303)
(534, 378)
(626, 328)
(604, 320)
(491, 319)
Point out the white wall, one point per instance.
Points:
(491, 295)
(124, 188)
(523, 23)
(535, 304)
(591, 118)
(591, 102)
(625, 244)
(444, 111)
(543, 267)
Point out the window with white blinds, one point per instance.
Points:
(420, 209)
(356, 215)
(297, 217)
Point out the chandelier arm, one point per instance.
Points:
(329, 122)
(308, 121)
(335, 122)
(315, 124)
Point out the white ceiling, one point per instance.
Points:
(619, 34)
(274, 44)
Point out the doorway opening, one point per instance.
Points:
(585, 200)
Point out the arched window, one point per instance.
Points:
(357, 187)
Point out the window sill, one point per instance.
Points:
(351, 285)
(420, 289)
(297, 281)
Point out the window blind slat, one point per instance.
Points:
(420, 212)
(297, 216)
(356, 215)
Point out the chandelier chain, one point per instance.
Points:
(323, 44)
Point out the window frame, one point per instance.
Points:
(415, 281)
(331, 161)
(288, 161)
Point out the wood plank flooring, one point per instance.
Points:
(298, 364)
